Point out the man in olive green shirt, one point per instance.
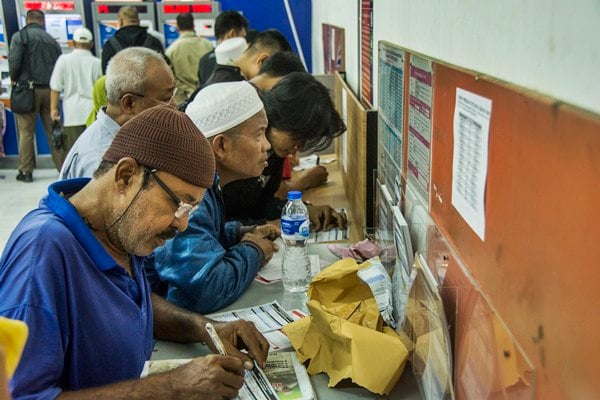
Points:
(185, 54)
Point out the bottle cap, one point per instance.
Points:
(294, 195)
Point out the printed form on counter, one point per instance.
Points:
(269, 319)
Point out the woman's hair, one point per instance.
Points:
(300, 105)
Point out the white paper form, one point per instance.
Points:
(390, 116)
(419, 125)
(266, 317)
(404, 250)
(470, 163)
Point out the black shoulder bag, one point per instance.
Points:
(22, 92)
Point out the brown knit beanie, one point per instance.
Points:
(166, 139)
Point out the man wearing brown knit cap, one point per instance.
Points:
(72, 270)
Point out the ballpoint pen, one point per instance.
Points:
(215, 338)
(259, 376)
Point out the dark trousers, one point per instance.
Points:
(26, 127)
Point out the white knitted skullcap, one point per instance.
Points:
(230, 50)
(222, 106)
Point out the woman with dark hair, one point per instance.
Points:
(302, 117)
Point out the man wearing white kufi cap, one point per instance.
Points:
(209, 265)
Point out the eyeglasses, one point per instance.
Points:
(183, 208)
(168, 102)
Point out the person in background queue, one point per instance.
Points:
(130, 34)
(74, 76)
(33, 53)
(247, 66)
(228, 24)
(184, 55)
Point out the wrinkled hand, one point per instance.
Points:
(268, 231)
(239, 335)
(210, 377)
(267, 246)
(315, 176)
(326, 218)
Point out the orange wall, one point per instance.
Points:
(539, 262)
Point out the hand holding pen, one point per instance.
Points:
(260, 381)
(216, 340)
(237, 335)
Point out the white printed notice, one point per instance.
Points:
(419, 124)
(469, 166)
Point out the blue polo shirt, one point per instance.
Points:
(90, 322)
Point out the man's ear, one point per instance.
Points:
(127, 103)
(230, 34)
(220, 146)
(261, 59)
(127, 173)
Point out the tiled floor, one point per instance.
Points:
(18, 198)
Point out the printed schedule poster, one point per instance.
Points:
(391, 85)
(419, 125)
(472, 115)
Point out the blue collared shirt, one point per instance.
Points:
(87, 151)
(90, 322)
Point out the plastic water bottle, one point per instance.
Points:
(295, 231)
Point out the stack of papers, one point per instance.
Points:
(284, 378)
(288, 376)
(332, 235)
(268, 318)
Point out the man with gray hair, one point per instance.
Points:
(136, 79)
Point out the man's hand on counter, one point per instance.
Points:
(325, 217)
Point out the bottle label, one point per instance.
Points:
(295, 229)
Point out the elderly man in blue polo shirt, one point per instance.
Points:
(72, 270)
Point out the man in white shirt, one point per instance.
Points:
(74, 75)
(137, 78)
(185, 54)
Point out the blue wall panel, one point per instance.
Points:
(267, 14)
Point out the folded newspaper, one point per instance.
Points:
(283, 378)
